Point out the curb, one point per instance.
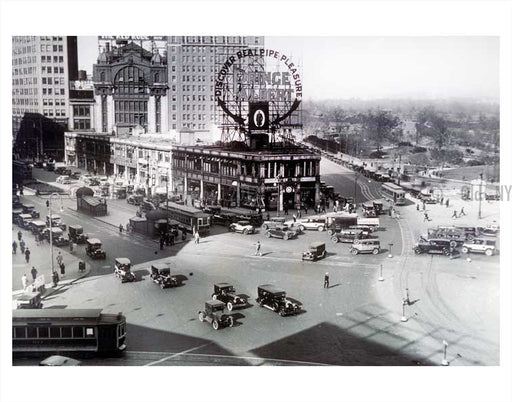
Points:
(51, 290)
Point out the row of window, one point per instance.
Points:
(58, 112)
(23, 60)
(24, 81)
(48, 38)
(48, 48)
(58, 102)
(25, 102)
(82, 124)
(24, 49)
(34, 332)
(23, 111)
(56, 70)
(53, 80)
(213, 39)
(24, 71)
(48, 59)
(24, 91)
(49, 91)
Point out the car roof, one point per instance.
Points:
(223, 284)
(271, 288)
(215, 303)
(161, 265)
(25, 216)
(94, 241)
(317, 244)
(243, 222)
(27, 205)
(123, 261)
(76, 226)
(38, 222)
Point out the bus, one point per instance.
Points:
(21, 171)
(68, 330)
(393, 193)
(189, 218)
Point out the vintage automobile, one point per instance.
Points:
(492, 197)
(29, 300)
(57, 360)
(60, 170)
(75, 175)
(212, 209)
(365, 246)
(94, 250)
(76, 234)
(273, 222)
(379, 207)
(30, 209)
(135, 199)
(312, 223)
(350, 235)
(469, 231)
(243, 227)
(15, 214)
(56, 222)
(433, 246)
(58, 238)
(225, 292)
(489, 231)
(37, 227)
(212, 314)
(122, 269)
(281, 232)
(24, 220)
(275, 299)
(369, 210)
(478, 245)
(456, 236)
(315, 252)
(224, 218)
(63, 180)
(161, 274)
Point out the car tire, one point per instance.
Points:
(465, 250)
(321, 228)
(264, 226)
(471, 237)
(354, 251)
(245, 232)
(446, 252)
(330, 232)
(229, 306)
(201, 316)
(215, 325)
(268, 235)
(230, 321)
(282, 313)
(302, 228)
(335, 239)
(489, 252)
(453, 243)
(214, 297)
(375, 251)
(417, 250)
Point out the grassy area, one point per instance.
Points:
(472, 172)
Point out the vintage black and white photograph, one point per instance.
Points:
(251, 199)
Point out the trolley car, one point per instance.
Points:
(189, 218)
(57, 331)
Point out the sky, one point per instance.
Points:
(338, 67)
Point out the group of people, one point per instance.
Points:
(23, 248)
(24, 279)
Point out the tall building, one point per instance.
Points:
(42, 67)
(193, 63)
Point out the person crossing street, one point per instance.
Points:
(326, 280)
(14, 247)
(258, 248)
(27, 255)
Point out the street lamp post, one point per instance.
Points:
(445, 362)
(355, 187)
(49, 205)
(404, 318)
(390, 255)
(480, 197)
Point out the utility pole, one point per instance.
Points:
(480, 197)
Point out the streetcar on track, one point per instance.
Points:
(43, 331)
(189, 218)
(393, 193)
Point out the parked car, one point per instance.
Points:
(224, 218)
(30, 209)
(57, 234)
(312, 223)
(433, 246)
(225, 292)
(478, 245)
(29, 300)
(275, 299)
(56, 222)
(243, 227)
(366, 246)
(37, 227)
(369, 210)
(94, 250)
(161, 274)
(76, 234)
(350, 235)
(63, 180)
(135, 199)
(60, 170)
(281, 232)
(15, 215)
(122, 269)
(456, 236)
(75, 175)
(314, 252)
(24, 221)
(212, 314)
(490, 231)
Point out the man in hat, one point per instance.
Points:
(326, 280)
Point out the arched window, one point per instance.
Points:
(102, 76)
(157, 77)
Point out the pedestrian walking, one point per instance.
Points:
(424, 206)
(162, 240)
(14, 246)
(27, 255)
(24, 282)
(121, 228)
(55, 278)
(171, 239)
(294, 218)
(258, 248)
(59, 258)
(63, 270)
(305, 209)
(462, 212)
(127, 227)
(19, 235)
(425, 217)
(33, 271)
(447, 202)
(326, 280)
(300, 214)
(81, 266)
(442, 199)
(454, 215)
(196, 237)
(323, 208)
(22, 246)
(417, 207)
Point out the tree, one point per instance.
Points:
(433, 125)
(380, 125)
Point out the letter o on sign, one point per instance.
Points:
(259, 118)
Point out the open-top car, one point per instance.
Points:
(123, 270)
(76, 234)
(281, 232)
(243, 227)
(275, 299)
(29, 300)
(30, 209)
(213, 314)
(57, 236)
(314, 252)
(480, 245)
(433, 246)
(94, 250)
(161, 274)
(225, 292)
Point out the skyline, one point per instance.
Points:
(405, 67)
